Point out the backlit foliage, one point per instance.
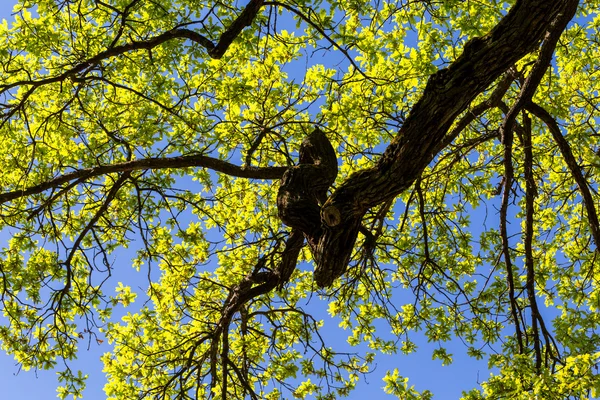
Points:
(129, 143)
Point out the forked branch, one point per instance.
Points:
(447, 94)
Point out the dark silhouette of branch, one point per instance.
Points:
(243, 20)
(322, 32)
(253, 285)
(89, 226)
(215, 51)
(574, 168)
(530, 195)
(150, 164)
(304, 186)
(537, 320)
(534, 78)
(515, 309)
(447, 94)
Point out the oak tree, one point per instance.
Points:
(414, 167)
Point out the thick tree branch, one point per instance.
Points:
(150, 164)
(538, 70)
(304, 186)
(492, 101)
(243, 20)
(447, 94)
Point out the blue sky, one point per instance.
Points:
(445, 382)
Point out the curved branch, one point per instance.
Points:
(537, 320)
(567, 153)
(253, 285)
(180, 33)
(559, 23)
(150, 164)
(89, 226)
(215, 51)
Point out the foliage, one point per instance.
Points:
(164, 126)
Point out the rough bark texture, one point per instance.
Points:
(304, 187)
(447, 94)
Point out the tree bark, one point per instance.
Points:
(304, 186)
(447, 93)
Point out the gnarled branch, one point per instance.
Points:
(304, 187)
(447, 94)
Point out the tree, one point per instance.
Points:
(447, 149)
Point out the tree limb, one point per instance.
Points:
(197, 160)
(515, 310)
(447, 94)
(215, 51)
(574, 168)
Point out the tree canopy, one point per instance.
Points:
(404, 168)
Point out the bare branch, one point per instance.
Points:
(89, 226)
(215, 51)
(322, 32)
(530, 195)
(197, 160)
(507, 142)
(506, 133)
